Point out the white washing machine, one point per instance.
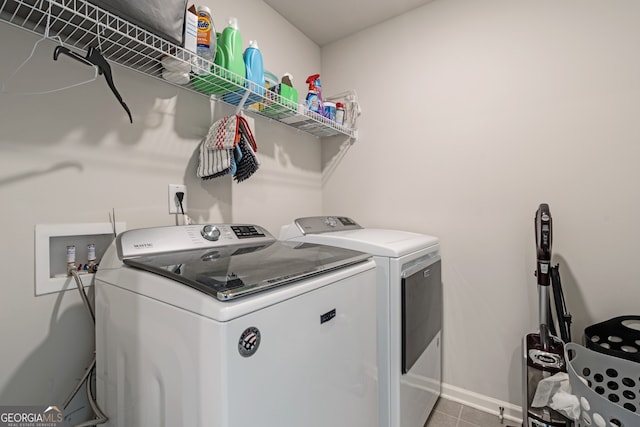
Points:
(409, 313)
(222, 325)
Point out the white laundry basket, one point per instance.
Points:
(608, 388)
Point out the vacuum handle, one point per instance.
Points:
(544, 236)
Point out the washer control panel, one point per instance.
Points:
(247, 231)
(147, 241)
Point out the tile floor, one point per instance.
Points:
(452, 414)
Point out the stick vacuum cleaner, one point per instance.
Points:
(543, 353)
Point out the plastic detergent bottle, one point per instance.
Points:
(314, 97)
(254, 67)
(206, 44)
(229, 52)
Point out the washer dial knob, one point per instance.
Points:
(210, 232)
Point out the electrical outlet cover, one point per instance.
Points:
(174, 205)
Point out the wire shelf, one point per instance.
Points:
(79, 24)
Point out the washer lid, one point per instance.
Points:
(379, 242)
(229, 272)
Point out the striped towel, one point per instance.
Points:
(223, 134)
(228, 148)
(248, 163)
(213, 163)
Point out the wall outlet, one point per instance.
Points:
(174, 203)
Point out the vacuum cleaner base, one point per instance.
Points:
(539, 364)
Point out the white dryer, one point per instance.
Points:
(409, 313)
(222, 325)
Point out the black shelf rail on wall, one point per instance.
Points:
(79, 24)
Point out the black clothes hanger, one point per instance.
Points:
(94, 57)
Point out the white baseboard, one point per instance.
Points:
(512, 413)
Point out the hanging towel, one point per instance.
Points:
(245, 129)
(223, 134)
(248, 163)
(228, 149)
(213, 163)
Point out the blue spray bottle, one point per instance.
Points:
(314, 96)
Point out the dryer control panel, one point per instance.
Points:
(324, 224)
(148, 241)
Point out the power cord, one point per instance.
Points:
(180, 197)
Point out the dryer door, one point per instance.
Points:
(421, 308)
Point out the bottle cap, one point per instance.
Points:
(313, 81)
(339, 105)
(232, 22)
(204, 9)
(287, 79)
(253, 44)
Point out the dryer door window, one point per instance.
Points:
(421, 310)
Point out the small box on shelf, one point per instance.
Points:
(281, 102)
(191, 29)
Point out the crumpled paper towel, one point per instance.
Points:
(555, 392)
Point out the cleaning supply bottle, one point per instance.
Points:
(330, 110)
(254, 68)
(340, 113)
(229, 52)
(206, 44)
(314, 96)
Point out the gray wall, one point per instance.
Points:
(474, 112)
(72, 157)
